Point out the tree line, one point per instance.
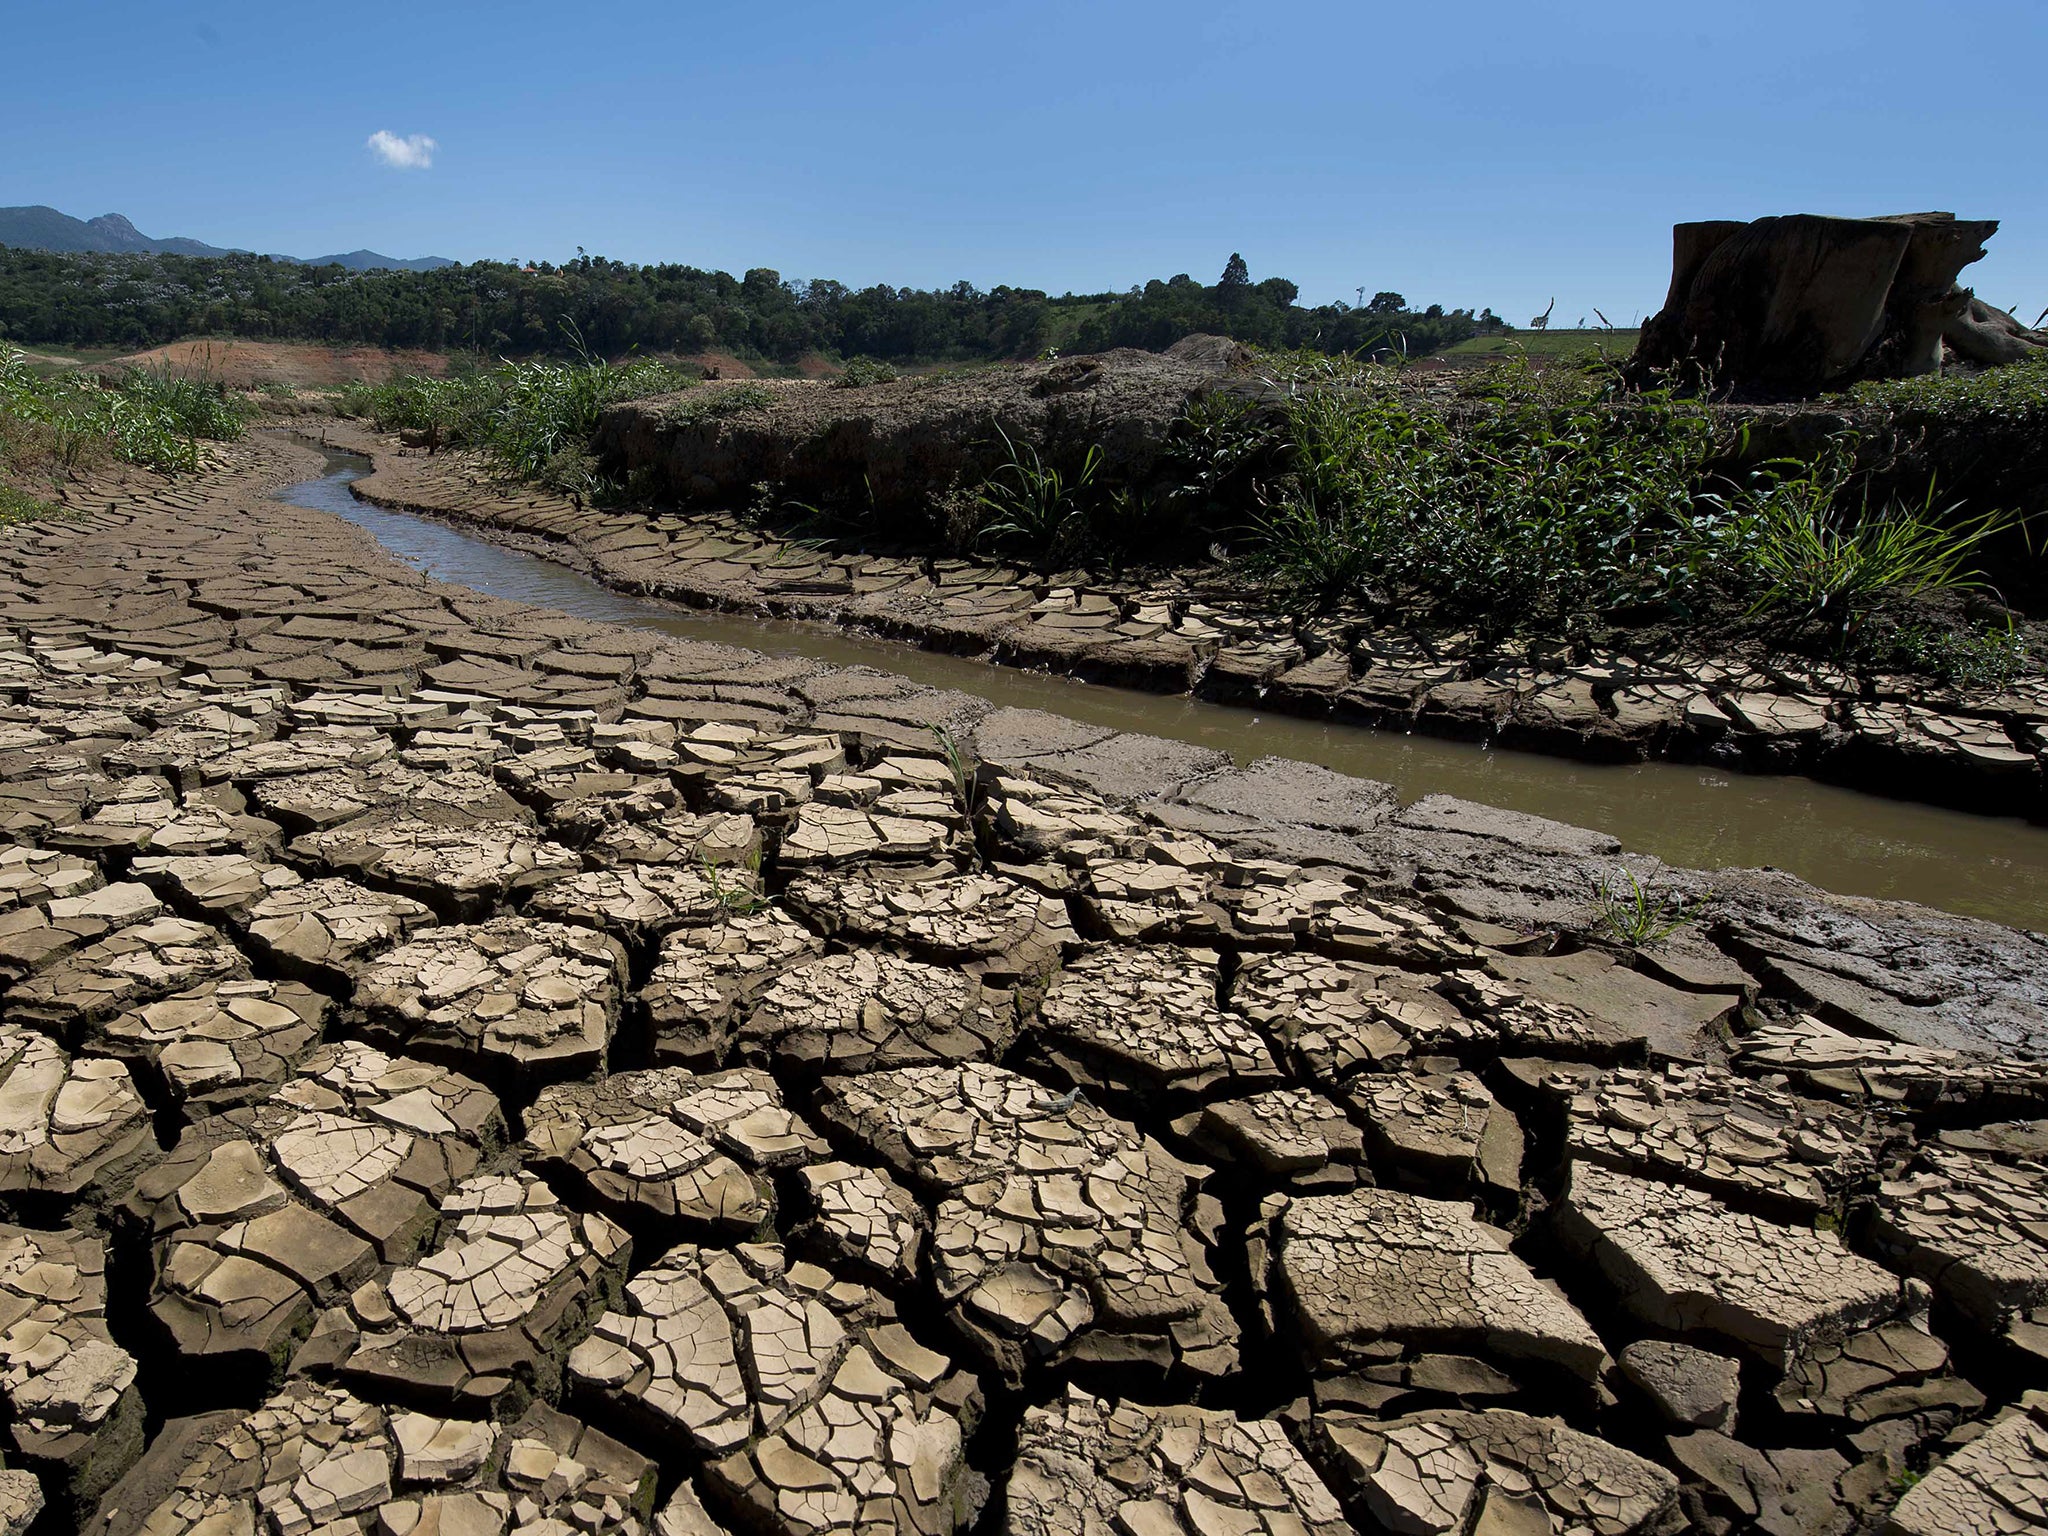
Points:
(614, 307)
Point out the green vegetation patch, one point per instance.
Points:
(536, 420)
(55, 427)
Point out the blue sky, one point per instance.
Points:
(1467, 151)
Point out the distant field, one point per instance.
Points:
(57, 359)
(1553, 343)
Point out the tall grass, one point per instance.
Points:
(53, 427)
(1810, 553)
(1030, 506)
(1550, 502)
(1528, 508)
(535, 419)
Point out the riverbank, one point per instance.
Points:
(1690, 816)
(443, 1026)
(1904, 737)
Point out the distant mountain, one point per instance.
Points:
(45, 229)
(370, 261)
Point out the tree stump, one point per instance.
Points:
(1790, 306)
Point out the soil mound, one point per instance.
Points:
(906, 442)
(302, 365)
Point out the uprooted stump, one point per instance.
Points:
(1792, 305)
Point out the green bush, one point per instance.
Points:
(1807, 556)
(17, 506)
(1029, 506)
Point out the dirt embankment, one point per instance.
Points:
(301, 365)
(899, 446)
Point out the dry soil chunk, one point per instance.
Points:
(221, 885)
(862, 1218)
(704, 976)
(327, 928)
(67, 1384)
(1088, 1465)
(811, 1399)
(1291, 1134)
(871, 1010)
(223, 1043)
(1377, 1265)
(1431, 1474)
(464, 870)
(514, 997)
(1684, 1262)
(1972, 1225)
(1997, 1483)
(1057, 1231)
(934, 914)
(514, 1280)
(647, 1159)
(69, 1130)
(316, 1457)
(826, 835)
(1728, 1135)
(1144, 1018)
(126, 969)
(639, 902)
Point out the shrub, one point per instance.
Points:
(17, 506)
(863, 371)
(1805, 555)
(1029, 506)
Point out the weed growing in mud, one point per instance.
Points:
(1548, 501)
(1029, 506)
(17, 506)
(960, 766)
(1638, 914)
(739, 897)
(1544, 506)
(1808, 558)
(728, 400)
(1995, 656)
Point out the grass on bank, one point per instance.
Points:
(57, 427)
(1616, 342)
(1528, 501)
(536, 420)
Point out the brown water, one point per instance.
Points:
(1840, 839)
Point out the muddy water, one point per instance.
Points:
(1839, 839)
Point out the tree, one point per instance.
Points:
(1384, 303)
(1236, 280)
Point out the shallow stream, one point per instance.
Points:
(1840, 839)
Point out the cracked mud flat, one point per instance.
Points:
(466, 1070)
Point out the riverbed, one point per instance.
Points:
(1840, 839)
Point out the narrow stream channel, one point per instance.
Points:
(1840, 839)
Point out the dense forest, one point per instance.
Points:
(614, 307)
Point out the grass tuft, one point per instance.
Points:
(1638, 914)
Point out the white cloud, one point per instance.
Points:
(403, 151)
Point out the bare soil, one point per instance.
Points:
(302, 365)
